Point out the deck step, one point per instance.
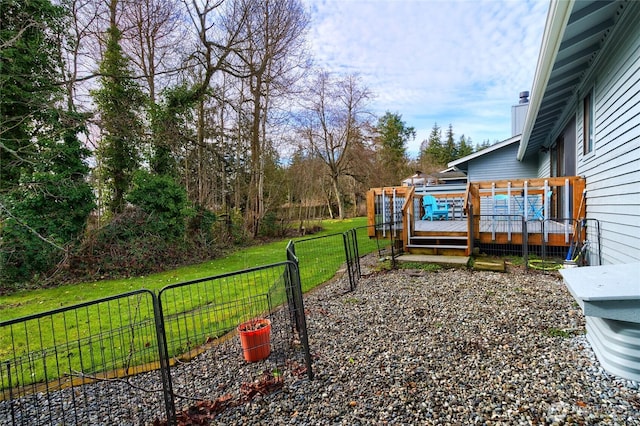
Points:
(437, 237)
(437, 246)
(446, 261)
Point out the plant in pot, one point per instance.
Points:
(255, 338)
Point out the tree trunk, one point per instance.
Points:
(334, 180)
(199, 150)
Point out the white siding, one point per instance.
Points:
(501, 164)
(612, 170)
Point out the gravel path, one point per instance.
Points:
(449, 347)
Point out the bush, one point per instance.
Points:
(47, 215)
(201, 226)
(164, 199)
(126, 247)
(269, 226)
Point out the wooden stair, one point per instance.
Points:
(439, 243)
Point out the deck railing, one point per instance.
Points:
(497, 208)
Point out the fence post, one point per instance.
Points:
(356, 252)
(543, 239)
(163, 352)
(296, 286)
(293, 313)
(348, 259)
(392, 243)
(10, 388)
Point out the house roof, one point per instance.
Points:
(460, 163)
(574, 34)
(448, 174)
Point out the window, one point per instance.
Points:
(587, 123)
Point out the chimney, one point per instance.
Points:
(519, 113)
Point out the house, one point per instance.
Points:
(584, 114)
(420, 179)
(584, 119)
(481, 165)
(449, 176)
(576, 161)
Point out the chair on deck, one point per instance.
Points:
(434, 209)
(538, 212)
(501, 206)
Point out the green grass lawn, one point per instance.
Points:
(120, 333)
(24, 303)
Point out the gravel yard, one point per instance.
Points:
(448, 347)
(407, 347)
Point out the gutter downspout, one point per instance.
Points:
(557, 19)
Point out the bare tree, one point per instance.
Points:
(271, 55)
(332, 126)
(155, 37)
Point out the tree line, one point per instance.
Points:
(135, 134)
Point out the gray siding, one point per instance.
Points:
(612, 170)
(501, 164)
(544, 164)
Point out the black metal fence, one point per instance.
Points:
(63, 366)
(386, 242)
(319, 258)
(580, 243)
(141, 357)
(547, 244)
(136, 358)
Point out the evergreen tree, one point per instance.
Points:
(433, 153)
(169, 123)
(392, 137)
(28, 79)
(44, 198)
(483, 145)
(119, 101)
(464, 148)
(450, 151)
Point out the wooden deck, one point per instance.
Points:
(547, 198)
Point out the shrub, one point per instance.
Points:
(164, 199)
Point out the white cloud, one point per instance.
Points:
(458, 62)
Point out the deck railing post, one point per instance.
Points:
(525, 200)
(525, 242)
(566, 211)
(471, 233)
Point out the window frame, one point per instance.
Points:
(588, 124)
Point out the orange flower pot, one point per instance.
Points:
(255, 337)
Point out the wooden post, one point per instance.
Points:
(578, 188)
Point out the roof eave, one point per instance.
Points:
(557, 19)
(456, 163)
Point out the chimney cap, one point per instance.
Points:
(524, 97)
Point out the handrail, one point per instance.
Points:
(467, 193)
(408, 197)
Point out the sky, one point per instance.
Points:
(458, 62)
